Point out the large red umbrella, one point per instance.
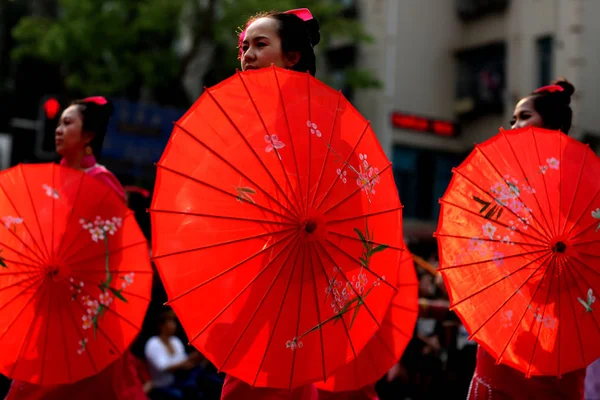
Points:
(276, 227)
(75, 278)
(519, 248)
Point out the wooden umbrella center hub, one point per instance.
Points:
(52, 271)
(57, 273)
(311, 226)
(559, 247)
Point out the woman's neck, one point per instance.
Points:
(74, 160)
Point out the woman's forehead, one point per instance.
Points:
(265, 27)
(71, 111)
(525, 104)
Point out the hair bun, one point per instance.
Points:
(107, 109)
(97, 112)
(102, 112)
(312, 27)
(568, 89)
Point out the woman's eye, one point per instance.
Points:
(261, 44)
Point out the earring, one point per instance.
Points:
(88, 151)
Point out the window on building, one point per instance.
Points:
(545, 48)
(422, 177)
(404, 164)
(481, 80)
(443, 176)
(472, 9)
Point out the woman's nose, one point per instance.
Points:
(249, 55)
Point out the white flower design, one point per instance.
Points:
(378, 281)
(273, 143)
(368, 176)
(110, 227)
(9, 221)
(591, 299)
(99, 227)
(528, 189)
(360, 283)
(75, 288)
(92, 305)
(543, 169)
(525, 221)
(105, 299)
(50, 191)
(497, 188)
(294, 344)
(313, 128)
(363, 159)
(97, 234)
(127, 280)
(553, 163)
(88, 321)
(596, 215)
(515, 206)
(82, 346)
(489, 230)
(340, 297)
(342, 175)
(505, 191)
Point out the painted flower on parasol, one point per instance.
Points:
(387, 345)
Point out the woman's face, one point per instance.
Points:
(68, 136)
(525, 115)
(261, 47)
(169, 327)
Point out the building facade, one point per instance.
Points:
(468, 62)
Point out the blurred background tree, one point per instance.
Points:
(162, 51)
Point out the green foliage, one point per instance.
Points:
(112, 46)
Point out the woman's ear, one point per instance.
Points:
(292, 58)
(87, 137)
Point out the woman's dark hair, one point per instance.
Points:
(95, 114)
(295, 35)
(554, 106)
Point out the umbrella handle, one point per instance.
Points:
(425, 265)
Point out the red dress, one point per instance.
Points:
(119, 381)
(499, 382)
(234, 389)
(366, 393)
